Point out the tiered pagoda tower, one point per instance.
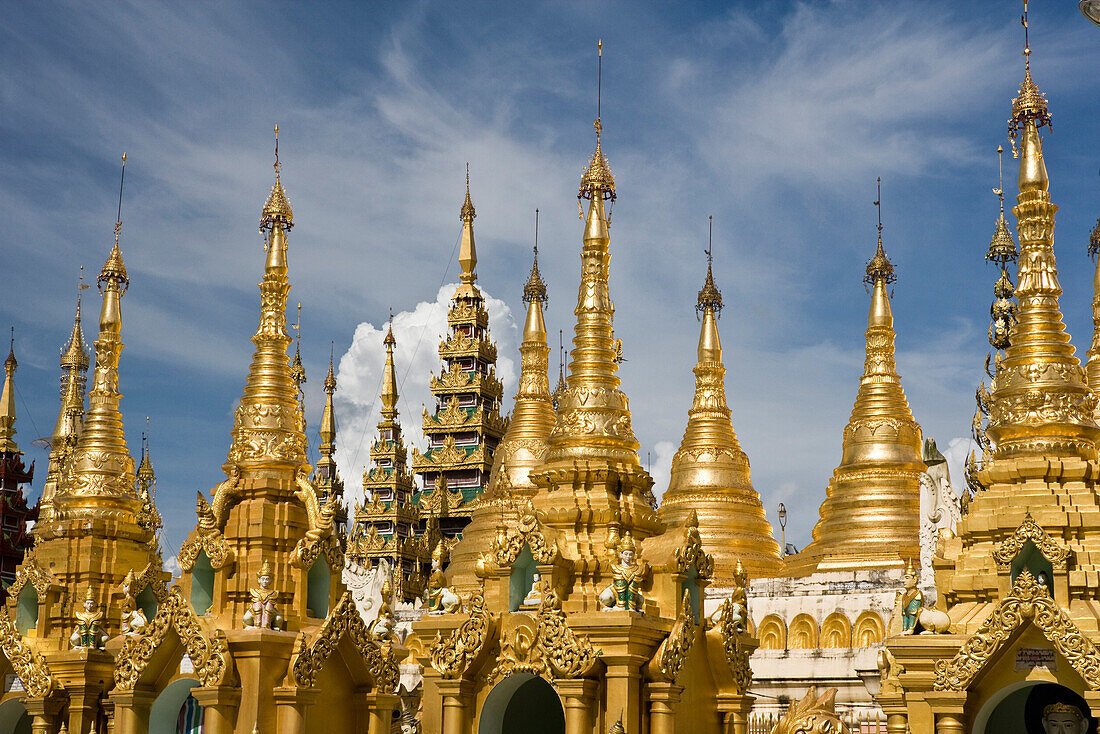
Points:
(524, 447)
(465, 428)
(710, 472)
(385, 526)
(14, 511)
(1019, 580)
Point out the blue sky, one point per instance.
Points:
(773, 117)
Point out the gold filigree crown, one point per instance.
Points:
(276, 208)
(597, 179)
(879, 267)
(266, 569)
(535, 289)
(114, 270)
(1029, 103)
(1063, 708)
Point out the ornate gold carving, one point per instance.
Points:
(452, 656)
(30, 571)
(206, 538)
(28, 663)
(1029, 600)
(674, 649)
(731, 626)
(345, 621)
(1029, 530)
(210, 656)
(528, 532)
(812, 715)
(691, 555)
(550, 650)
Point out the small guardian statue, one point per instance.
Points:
(89, 628)
(262, 611)
(915, 617)
(381, 627)
(134, 621)
(625, 592)
(534, 597)
(440, 599)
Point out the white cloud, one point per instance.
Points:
(661, 471)
(359, 378)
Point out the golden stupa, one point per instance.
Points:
(710, 472)
(870, 516)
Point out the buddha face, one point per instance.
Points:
(1064, 722)
(265, 582)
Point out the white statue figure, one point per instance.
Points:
(440, 599)
(381, 627)
(134, 620)
(534, 596)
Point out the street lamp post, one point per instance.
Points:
(1091, 10)
(783, 529)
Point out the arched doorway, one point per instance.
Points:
(522, 704)
(174, 711)
(1018, 709)
(14, 718)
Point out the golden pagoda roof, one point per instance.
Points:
(710, 473)
(75, 353)
(870, 516)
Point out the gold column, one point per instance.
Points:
(577, 696)
(43, 713)
(380, 707)
(663, 698)
(131, 710)
(219, 706)
(290, 707)
(624, 688)
(457, 696)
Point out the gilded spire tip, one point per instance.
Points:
(597, 179)
(1029, 104)
(1002, 248)
(535, 289)
(709, 296)
(330, 378)
(879, 266)
(276, 209)
(467, 212)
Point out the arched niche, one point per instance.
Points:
(14, 718)
(202, 584)
(522, 703)
(318, 585)
(523, 575)
(147, 602)
(868, 631)
(691, 584)
(26, 609)
(772, 633)
(1018, 708)
(836, 632)
(802, 634)
(167, 715)
(1031, 558)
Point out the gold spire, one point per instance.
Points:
(327, 433)
(467, 253)
(389, 381)
(870, 515)
(1040, 402)
(535, 290)
(524, 445)
(710, 472)
(70, 418)
(7, 402)
(145, 475)
(597, 176)
(1002, 249)
(101, 465)
(560, 388)
(267, 428)
(595, 356)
